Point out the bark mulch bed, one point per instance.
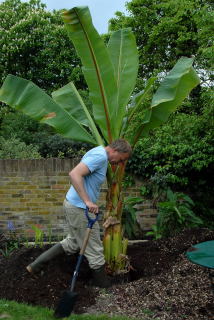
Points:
(162, 285)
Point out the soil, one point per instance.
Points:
(161, 285)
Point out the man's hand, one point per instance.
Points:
(92, 207)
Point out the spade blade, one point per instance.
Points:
(66, 304)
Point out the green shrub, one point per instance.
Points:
(24, 128)
(15, 149)
(177, 149)
(175, 214)
(47, 143)
(58, 147)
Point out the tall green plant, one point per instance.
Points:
(110, 72)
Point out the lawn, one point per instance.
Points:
(12, 310)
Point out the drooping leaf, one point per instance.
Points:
(70, 100)
(172, 91)
(97, 68)
(24, 95)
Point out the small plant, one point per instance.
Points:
(9, 248)
(11, 241)
(49, 234)
(129, 221)
(155, 233)
(39, 236)
(175, 214)
(11, 230)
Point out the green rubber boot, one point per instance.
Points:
(39, 263)
(100, 278)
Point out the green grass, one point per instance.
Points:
(11, 310)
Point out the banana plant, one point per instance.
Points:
(110, 72)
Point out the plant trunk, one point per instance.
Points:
(115, 247)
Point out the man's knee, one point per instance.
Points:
(68, 246)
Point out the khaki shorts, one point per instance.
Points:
(77, 224)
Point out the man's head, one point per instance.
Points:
(118, 151)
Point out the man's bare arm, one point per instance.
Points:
(77, 175)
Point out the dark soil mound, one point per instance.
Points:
(153, 262)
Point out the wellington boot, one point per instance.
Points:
(100, 278)
(39, 263)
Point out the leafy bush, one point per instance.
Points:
(175, 214)
(15, 149)
(179, 147)
(24, 128)
(19, 126)
(59, 147)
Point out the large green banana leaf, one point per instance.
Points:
(97, 68)
(124, 55)
(172, 91)
(70, 100)
(24, 95)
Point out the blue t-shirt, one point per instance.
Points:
(97, 162)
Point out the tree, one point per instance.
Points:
(35, 45)
(110, 73)
(168, 29)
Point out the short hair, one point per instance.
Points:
(121, 145)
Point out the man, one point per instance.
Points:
(86, 178)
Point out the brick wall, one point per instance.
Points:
(32, 193)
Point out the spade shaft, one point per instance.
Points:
(69, 297)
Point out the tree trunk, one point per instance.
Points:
(115, 247)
